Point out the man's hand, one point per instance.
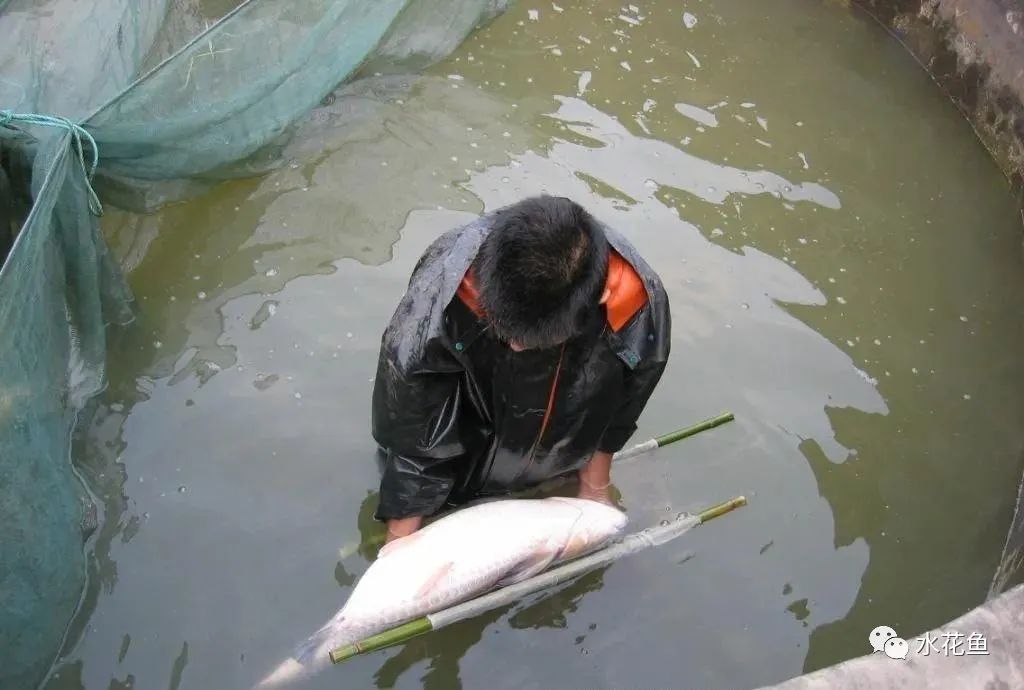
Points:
(595, 478)
(402, 527)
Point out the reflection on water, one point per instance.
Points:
(840, 259)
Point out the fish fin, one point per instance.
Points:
(287, 673)
(306, 652)
(311, 655)
(434, 580)
(577, 546)
(537, 563)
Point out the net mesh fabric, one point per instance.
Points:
(177, 95)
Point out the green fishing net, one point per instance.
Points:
(172, 95)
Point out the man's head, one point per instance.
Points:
(541, 272)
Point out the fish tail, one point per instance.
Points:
(309, 657)
(308, 652)
(286, 673)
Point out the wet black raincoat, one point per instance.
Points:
(459, 414)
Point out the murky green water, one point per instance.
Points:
(844, 265)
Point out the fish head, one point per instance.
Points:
(596, 525)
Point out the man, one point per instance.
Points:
(526, 347)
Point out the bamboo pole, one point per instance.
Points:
(652, 536)
(678, 435)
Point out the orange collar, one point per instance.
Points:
(627, 294)
(469, 294)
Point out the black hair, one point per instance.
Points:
(541, 271)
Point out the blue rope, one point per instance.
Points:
(77, 134)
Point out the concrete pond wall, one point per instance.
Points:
(974, 50)
(997, 666)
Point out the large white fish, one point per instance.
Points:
(455, 558)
